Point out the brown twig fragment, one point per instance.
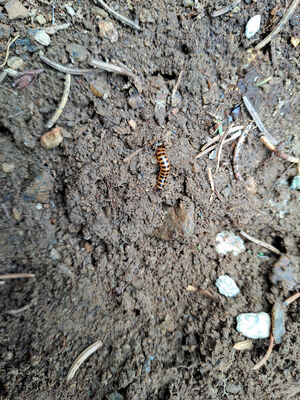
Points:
(62, 68)
(266, 356)
(130, 156)
(233, 137)
(62, 103)
(15, 276)
(286, 17)
(118, 16)
(291, 299)
(260, 243)
(104, 66)
(176, 87)
(258, 121)
(82, 357)
(237, 153)
(280, 154)
(225, 9)
(211, 182)
(10, 42)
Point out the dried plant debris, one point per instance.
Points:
(278, 321)
(286, 271)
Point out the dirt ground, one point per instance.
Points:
(85, 219)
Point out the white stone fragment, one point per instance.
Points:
(228, 242)
(70, 10)
(253, 26)
(254, 325)
(42, 37)
(227, 286)
(41, 19)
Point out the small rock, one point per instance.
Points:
(233, 389)
(40, 19)
(52, 139)
(178, 223)
(100, 87)
(253, 26)
(132, 124)
(115, 396)
(227, 286)
(42, 37)
(295, 41)
(39, 206)
(70, 10)
(7, 167)
(278, 321)
(191, 288)
(64, 270)
(295, 185)
(5, 31)
(15, 62)
(77, 52)
(286, 271)
(228, 242)
(135, 102)
(251, 186)
(55, 255)
(16, 214)
(11, 72)
(254, 325)
(213, 155)
(39, 189)
(108, 31)
(15, 9)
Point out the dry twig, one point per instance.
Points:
(130, 156)
(286, 17)
(225, 9)
(291, 299)
(104, 66)
(176, 87)
(233, 137)
(219, 148)
(260, 243)
(118, 16)
(237, 153)
(62, 68)
(258, 121)
(216, 138)
(62, 103)
(15, 276)
(22, 309)
(10, 42)
(280, 154)
(211, 182)
(266, 356)
(82, 357)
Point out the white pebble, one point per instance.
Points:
(228, 242)
(227, 286)
(42, 37)
(254, 325)
(70, 10)
(253, 26)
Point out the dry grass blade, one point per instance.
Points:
(118, 16)
(219, 148)
(62, 103)
(233, 137)
(10, 42)
(216, 138)
(22, 309)
(211, 182)
(266, 356)
(237, 153)
(82, 357)
(225, 9)
(176, 87)
(260, 243)
(111, 68)
(16, 276)
(278, 28)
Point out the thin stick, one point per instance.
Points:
(118, 16)
(82, 357)
(211, 182)
(291, 299)
(260, 243)
(62, 103)
(286, 17)
(62, 68)
(266, 356)
(10, 42)
(216, 138)
(111, 68)
(219, 148)
(22, 309)
(237, 153)
(176, 87)
(130, 156)
(258, 122)
(233, 137)
(15, 276)
(225, 9)
(280, 154)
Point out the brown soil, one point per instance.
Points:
(113, 278)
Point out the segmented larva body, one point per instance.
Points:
(164, 165)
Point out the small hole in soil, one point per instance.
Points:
(136, 311)
(278, 242)
(185, 49)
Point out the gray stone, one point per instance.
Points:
(5, 31)
(15, 9)
(77, 52)
(42, 37)
(55, 255)
(15, 62)
(41, 19)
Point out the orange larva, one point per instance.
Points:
(164, 165)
